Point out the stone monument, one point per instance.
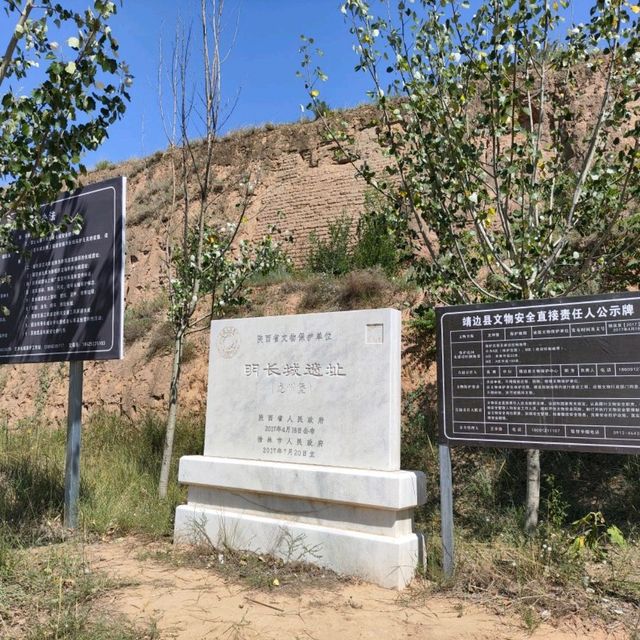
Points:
(302, 445)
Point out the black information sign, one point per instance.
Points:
(61, 296)
(545, 374)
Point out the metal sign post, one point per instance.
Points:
(74, 428)
(446, 511)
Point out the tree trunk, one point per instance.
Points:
(532, 506)
(533, 491)
(24, 16)
(172, 415)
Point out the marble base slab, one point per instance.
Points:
(352, 521)
(394, 490)
(389, 562)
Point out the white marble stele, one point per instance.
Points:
(302, 446)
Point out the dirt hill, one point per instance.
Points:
(301, 183)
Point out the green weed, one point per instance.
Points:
(592, 532)
(378, 241)
(332, 255)
(379, 244)
(121, 466)
(291, 569)
(120, 463)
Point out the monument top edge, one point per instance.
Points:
(386, 310)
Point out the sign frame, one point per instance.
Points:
(103, 244)
(445, 442)
(31, 289)
(527, 442)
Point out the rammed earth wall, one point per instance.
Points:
(300, 183)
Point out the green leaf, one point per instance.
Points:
(616, 536)
(57, 114)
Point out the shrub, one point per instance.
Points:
(103, 165)
(375, 245)
(381, 238)
(362, 288)
(380, 241)
(332, 255)
(317, 293)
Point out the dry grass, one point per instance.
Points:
(139, 320)
(362, 289)
(318, 293)
(256, 571)
(161, 341)
(51, 594)
(155, 202)
(545, 584)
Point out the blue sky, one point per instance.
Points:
(259, 74)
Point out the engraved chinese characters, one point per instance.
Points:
(316, 388)
(295, 438)
(561, 374)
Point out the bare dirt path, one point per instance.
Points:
(193, 603)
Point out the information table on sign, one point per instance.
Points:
(61, 296)
(555, 374)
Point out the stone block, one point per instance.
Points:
(302, 446)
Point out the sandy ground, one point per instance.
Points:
(194, 603)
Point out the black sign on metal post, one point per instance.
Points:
(62, 299)
(558, 374)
